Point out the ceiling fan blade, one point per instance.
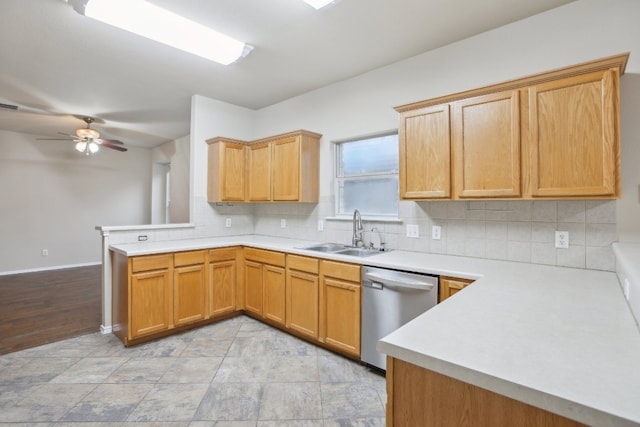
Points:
(110, 141)
(69, 135)
(55, 139)
(113, 147)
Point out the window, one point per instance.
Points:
(367, 176)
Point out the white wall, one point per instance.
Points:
(52, 197)
(176, 156)
(521, 231)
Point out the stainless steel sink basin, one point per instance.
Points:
(338, 249)
(357, 252)
(325, 247)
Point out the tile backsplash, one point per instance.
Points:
(506, 230)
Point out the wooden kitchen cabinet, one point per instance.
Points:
(553, 135)
(451, 285)
(420, 397)
(150, 296)
(303, 295)
(222, 281)
(340, 306)
(486, 146)
(264, 283)
(424, 140)
(259, 172)
(573, 134)
(189, 287)
(226, 171)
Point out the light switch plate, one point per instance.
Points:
(436, 232)
(283, 223)
(227, 222)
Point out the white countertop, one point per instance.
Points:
(561, 339)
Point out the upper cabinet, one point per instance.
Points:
(227, 170)
(425, 154)
(552, 135)
(281, 168)
(574, 137)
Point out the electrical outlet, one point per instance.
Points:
(413, 231)
(436, 232)
(562, 239)
(44, 252)
(283, 223)
(142, 238)
(320, 225)
(625, 288)
(227, 222)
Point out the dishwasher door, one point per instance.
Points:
(391, 298)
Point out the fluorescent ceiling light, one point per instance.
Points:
(150, 21)
(318, 4)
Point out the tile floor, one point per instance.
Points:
(235, 373)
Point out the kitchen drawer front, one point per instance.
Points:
(189, 258)
(302, 263)
(340, 270)
(225, 254)
(264, 257)
(150, 262)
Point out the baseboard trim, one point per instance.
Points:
(105, 329)
(57, 267)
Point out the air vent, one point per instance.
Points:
(8, 106)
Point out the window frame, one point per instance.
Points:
(339, 177)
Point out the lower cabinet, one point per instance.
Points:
(303, 295)
(451, 285)
(189, 287)
(149, 294)
(340, 306)
(264, 281)
(420, 397)
(222, 281)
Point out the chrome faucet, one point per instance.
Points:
(356, 240)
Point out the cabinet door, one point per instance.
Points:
(486, 146)
(449, 286)
(286, 169)
(232, 172)
(574, 135)
(222, 286)
(342, 315)
(274, 293)
(302, 302)
(253, 287)
(259, 172)
(150, 302)
(425, 146)
(189, 300)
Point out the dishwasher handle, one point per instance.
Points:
(400, 283)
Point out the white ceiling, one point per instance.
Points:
(57, 64)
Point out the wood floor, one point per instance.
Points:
(48, 306)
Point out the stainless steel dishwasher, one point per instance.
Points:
(391, 298)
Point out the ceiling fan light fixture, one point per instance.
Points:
(318, 4)
(93, 147)
(81, 146)
(87, 133)
(155, 23)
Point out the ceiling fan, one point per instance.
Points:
(88, 140)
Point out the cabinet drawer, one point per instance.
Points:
(189, 258)
(264, 257)
(150, 263)
(349, 272)
(222, 254)
(301, 263)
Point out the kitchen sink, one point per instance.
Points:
(324, 247)
(357, 252)
(338, 249)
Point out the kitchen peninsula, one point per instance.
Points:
(560, 339)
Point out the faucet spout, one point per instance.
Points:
(356, 240)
